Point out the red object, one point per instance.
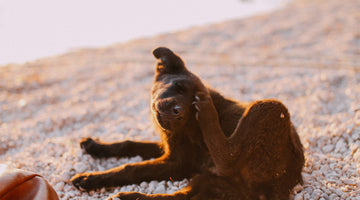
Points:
(16, 184)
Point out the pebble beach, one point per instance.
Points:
(306, 55)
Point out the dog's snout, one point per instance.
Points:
(168, 108)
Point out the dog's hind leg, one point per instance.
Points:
(202, 186)
(264, 149)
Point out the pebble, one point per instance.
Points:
(341, 146)
(160, 189)
(144, 184)
(298, 188)
(80, 167)
(348, 181)
(333, 197)
(59, 186)
(94, 102)
(65, 176)
(328, 148)
(316, 194)
(339, 192)
(355, 136)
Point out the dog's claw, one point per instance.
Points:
(197, 98)
(197, 107)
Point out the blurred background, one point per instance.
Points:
(33, 29)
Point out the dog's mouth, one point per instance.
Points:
(166, 121)
(165, 124)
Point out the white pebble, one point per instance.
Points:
(152, 186)
(170, 191)
(160, 189)
(144, 184)
(316, 194)
(80, 168)
(333, 197)
(341, 146)
(65, 176)
(299, 196)
(339, 192)
(348, 181)
(328, 148)
(355, 136)
(298, 188)
(59, 186)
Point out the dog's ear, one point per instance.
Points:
(169, 61)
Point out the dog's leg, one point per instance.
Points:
(157, 169)
(271, 147)
(127, 148)
(202, 186)
(264, 149)
(219, 146)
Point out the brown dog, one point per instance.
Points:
(231, 150)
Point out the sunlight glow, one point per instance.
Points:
(33, 29)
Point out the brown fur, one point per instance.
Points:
(231, 150)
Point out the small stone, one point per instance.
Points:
(339, 192)
(328, 148)
(317, 173)
(159, 189)
(65, 176)
(170, 191)
(341, 146)
(80, 168)
(348, 181)
(333, 197)
(344, 196)
(152, 186)
(316, 194)
(169, 184)
(59, 186)
(355, 136)
(298, 188)
(144, 184)
(299, 196)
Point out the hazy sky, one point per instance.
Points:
(30, 29)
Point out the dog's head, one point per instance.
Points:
(173, 91)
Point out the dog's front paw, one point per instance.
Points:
(203, 104)
(127, 196)
(91, 147)
(84, 181)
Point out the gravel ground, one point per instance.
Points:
(306, 55)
